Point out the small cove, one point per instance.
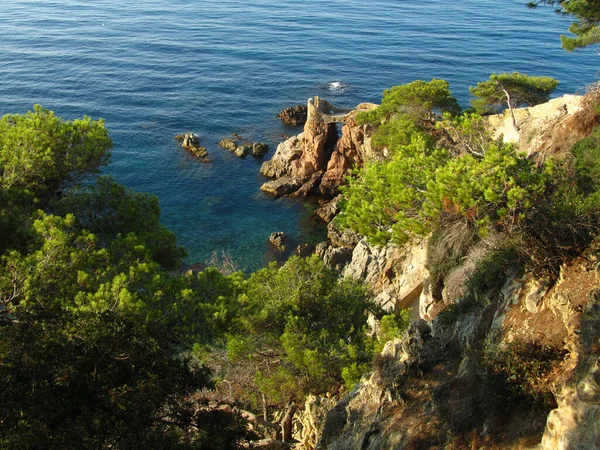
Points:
(154, 69)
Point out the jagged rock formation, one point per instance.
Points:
(278, 239)
(315, 161)
(191, 142)
(294, 115)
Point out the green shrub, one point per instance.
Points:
(586, 155)
(300, 322)
(391, 326)
(524, 367)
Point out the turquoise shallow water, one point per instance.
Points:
(153, 69)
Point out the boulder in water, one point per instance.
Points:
(281, 186)
(234, 144)
(191, 142)
(259, 149)
(229, 144)
(294, 116)
(277, 239)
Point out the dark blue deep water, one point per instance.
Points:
(153, 69)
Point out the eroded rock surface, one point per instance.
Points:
(316, 155)
(278, 239)
(548, 129)
(294, 115)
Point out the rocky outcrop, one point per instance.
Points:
(191, 142)
(281, 186)
(240, 149)
(259, 149)
(310, 186)
(396, 274)
(350, 151)
(356, 421)
(310, 153)
(278, 240)
(315, 153)
(334, 257)
(434, 389)
(280, 164)
(548, 129)
(575, 423)
(311, 419)
(328, 209)
(342, 237)
(437, 387)
(294, 115)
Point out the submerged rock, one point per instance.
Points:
(304, 250)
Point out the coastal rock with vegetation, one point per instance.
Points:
(106, 343)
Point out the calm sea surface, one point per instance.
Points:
(153, 69)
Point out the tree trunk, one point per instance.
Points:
(510, 108)
(286, 423)
(265, 408)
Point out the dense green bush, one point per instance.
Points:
(303, 329)
(586, 163)
(384, 201)
(511, 90)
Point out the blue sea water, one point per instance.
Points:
(153, 69)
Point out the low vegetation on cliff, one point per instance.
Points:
(444, 167)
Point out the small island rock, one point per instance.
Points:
(294, 116)
(277, 239)
(234, 144)
(229, 144)
(259, 149)
(241, 151)
(191, 142)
